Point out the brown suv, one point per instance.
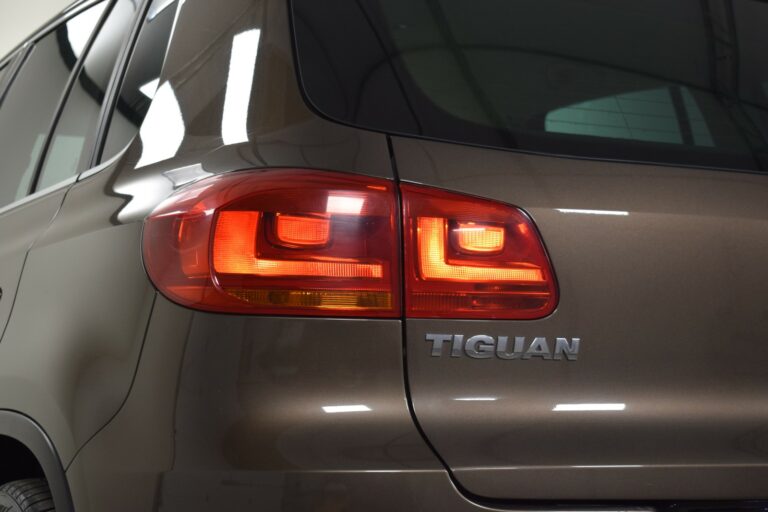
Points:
(386, 256)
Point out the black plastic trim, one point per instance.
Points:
(62, 17)
(111, 95)
(26, 431)
(78, 66)
(14, 63)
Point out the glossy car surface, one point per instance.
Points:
(656, 230)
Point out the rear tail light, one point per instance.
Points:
(279, 242)
(303, 230)
(321, 243)
(478, 238)
(472, 258)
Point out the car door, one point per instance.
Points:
(71, 344)
(631, 141)
(28, 109)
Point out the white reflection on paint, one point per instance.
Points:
(180, 5)
(146, 192)
(333, 409)
(619, 213)
(345, 205)
(150, 88)
(589, 407)
(163, 129)
(186, 175)
(242, 64)
(80, 28)
(609, 466)
(476, 399)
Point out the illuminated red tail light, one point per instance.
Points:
(472, 258)
(304, 242)
(279, 242)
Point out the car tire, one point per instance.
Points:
(30, 495)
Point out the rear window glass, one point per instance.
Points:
(682, 82)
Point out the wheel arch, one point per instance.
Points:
(22, 429)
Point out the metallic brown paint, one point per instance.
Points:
(668, 303)
(154, 407)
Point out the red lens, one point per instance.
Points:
(303, 231)
(474, 238)
(254, 242)
(472, 258)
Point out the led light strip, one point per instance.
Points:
(234, 252)
(431, 242)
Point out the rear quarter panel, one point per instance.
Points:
(667, 295)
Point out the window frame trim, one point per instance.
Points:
(112, 91)
(30, 198)
(13, 63)
(109, 5)
(17, 57)
(62, 17)
(115, 80)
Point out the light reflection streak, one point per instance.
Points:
(242, 65)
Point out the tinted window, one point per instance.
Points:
(5, 71)
(652, 81)
(30, 103)
(141, 77)
(71, 146)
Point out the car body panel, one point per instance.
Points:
(233, 406)
(662, 277)
(89, 345)
(67, 358)
(20, 226)
(152, 406)
(282, 131)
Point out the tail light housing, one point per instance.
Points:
(467, 257)
(279, 242)
(320, 243)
